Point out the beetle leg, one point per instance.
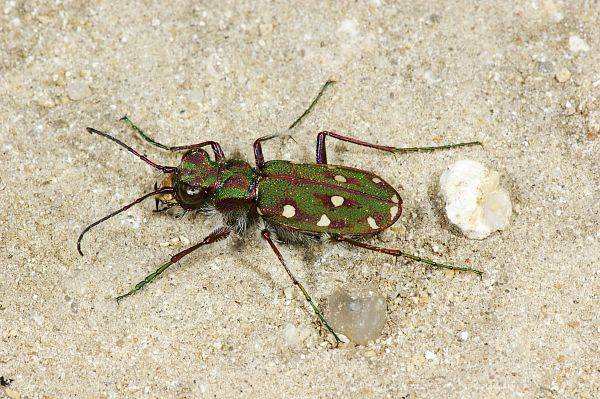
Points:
(267, 236)
(397, 253)
(312, 104)
(258, 154)
(215, 236)
(322, 152)
(216, 147)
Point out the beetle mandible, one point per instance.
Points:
(292, 201)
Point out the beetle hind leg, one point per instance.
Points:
(397, 253)
(322, 152)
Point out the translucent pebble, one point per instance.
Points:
(358, 312)
(475, 202)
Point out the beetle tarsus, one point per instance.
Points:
(312, 104)
(397, 253)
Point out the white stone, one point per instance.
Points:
(475, 202)
(357, 312)
(576, 44)
(463, 335)
(429, 355)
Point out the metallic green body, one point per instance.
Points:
(321, 198)
(307, 198)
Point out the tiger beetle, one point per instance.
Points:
(292, 202)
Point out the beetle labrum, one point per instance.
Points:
(292, 201)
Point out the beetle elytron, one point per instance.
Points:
(291, 201)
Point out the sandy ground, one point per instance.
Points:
(523, 77)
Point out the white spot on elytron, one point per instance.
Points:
(336, 200)
(376, 180)
(259, 211)
(393, 211)
(395, 198)
(340, 178)
(324, 221)
(372, 223)
(288, 211)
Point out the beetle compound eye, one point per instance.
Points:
(190, 196)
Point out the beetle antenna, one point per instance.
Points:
(165, 169)
(163, 190)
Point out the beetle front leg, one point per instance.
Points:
(267, 236)
(322, 152)
(397, 252)
(215, 236)
(216, 147)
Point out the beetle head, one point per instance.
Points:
(195, 179)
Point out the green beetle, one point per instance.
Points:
(290, 201)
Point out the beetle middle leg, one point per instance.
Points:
(215, 236)
(322, 152)
(267, 236)
(397, 252)
(216, 147)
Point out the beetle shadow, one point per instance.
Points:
(309, 256)
(243, 244)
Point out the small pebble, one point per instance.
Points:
(429, 355)
(288, 292)
(12, 394)
(184, 240)
(290, 333)
(343, 338)
(370, 353)
(576, 44)
(563, 75)
(78, 90)
(463, 335)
